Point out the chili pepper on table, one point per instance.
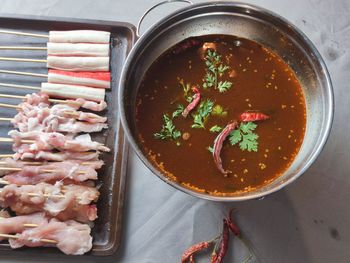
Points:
(233, 227)
(188, 254)
(196, 98)
(253, 116)
(224, 243)
(218, 145)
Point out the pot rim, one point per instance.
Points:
(327, 123)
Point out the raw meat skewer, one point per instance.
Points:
(84, 78)
(42, 98)
(64, 91)
(71, 237)
(69, 63)
(67, 49)
(72, 36)
(62, 201)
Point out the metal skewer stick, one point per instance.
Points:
(24, 59)
(23, 34)
(23, 73)
(21, 48)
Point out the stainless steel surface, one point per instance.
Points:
(250, 22)
(138, 27)
(111, 177)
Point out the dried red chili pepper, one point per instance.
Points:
(218, 145)
(224, 243)
(253, 116)
(196, 98)
(186, 44)
(193, 249)
(233, 227)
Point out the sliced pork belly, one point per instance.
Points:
(84, 78)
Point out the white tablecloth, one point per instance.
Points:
(306, 222)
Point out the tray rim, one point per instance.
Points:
(124, 145)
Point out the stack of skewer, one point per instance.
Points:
(49, 178)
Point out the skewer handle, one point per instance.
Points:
(24, 59)
(19, 86)
(44, 240)
(6, 119)
(23, 34)
(8, 105)
(21, 48)
(24, 73)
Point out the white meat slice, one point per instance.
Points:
(78, 63)
(79, 36)
(79, 49)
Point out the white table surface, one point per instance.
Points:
(306, 222)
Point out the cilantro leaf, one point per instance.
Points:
(215, 128)
(248, 127)
(168, 130)
(235, 137)
(180, 108)
(215, 69)
(210, 149)
(224, 86)
(244, 135)
(200, 116)
(249, 142)
(219, 111)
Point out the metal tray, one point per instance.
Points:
(107, 229)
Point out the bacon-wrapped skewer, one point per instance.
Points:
(61, 201)
(35, 230)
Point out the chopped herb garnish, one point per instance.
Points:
(168, 130)
(215, 69)
(210, 149)
(180, 108)
(219, 111)
(186, 88)
(215, 128)
(224, 86)
(245, 136)
(204, 109)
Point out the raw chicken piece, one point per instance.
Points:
(62, 201)
(12, 225)
(71, 237)
(58, 157)
(49, 141)
(52, 172)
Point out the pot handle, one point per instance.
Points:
(155, 6)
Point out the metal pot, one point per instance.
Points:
(251, 22)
